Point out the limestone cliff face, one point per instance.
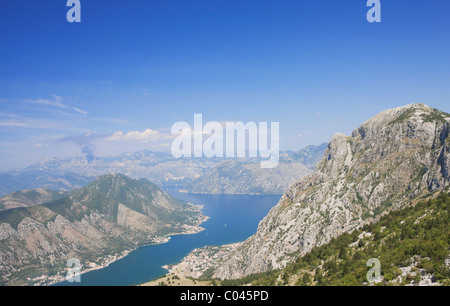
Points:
(393, 158)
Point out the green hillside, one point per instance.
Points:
(95, 224)
(411, 244)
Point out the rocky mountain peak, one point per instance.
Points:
(397, 156)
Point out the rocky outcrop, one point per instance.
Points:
(392, 159)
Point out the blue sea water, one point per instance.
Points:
(233, 218)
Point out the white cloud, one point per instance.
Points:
(31, 123)
(147, 134)
(80, 111)
(13, 123)
(58, 103)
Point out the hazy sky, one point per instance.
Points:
(122, 77)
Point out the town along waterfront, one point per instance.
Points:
(233, 218)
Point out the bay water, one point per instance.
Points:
(233, 218)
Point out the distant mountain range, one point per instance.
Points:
(234, 177)
(192, 174)
(247, 177)
(27, 198)
(33, 179)
(111, 215)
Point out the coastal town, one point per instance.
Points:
(102, 262)
(201, 260)
(193, 269)
(192, 224)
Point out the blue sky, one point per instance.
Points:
(317, 67)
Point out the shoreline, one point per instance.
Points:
(57, 279)
(189, 270)
(177, 277)
(243, 194)
(45, 280)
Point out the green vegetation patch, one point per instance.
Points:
(14, 216)
(66, 208)
(435, 116)
(404, 116)
(421, 232)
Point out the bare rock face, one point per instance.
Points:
(393, 158)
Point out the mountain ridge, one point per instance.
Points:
(391, 159)
(28, 198)
(164, 170)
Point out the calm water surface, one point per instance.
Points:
(233, 218)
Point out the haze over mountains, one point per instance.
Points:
(27, 179)
(390, 162)
(241, 175)
(49, 217)
(27, 198)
